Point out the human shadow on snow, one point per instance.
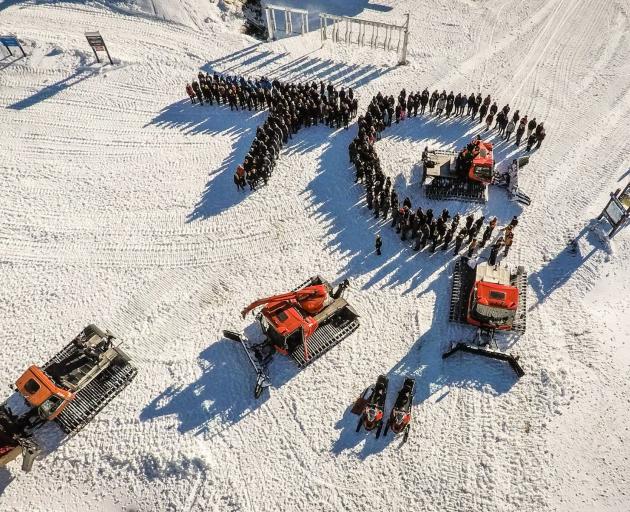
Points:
(433, 376)
(239, 126)
(252, 63)
(220, 192)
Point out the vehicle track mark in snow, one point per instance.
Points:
(488, 48)
(193, 493)
(544, 39)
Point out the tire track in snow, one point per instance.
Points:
(545, 38)
(488, 49)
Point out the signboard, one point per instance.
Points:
(97, 43)
(11, 41)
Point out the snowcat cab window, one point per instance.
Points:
(493, 315)
(483, 172)
(31, 386)
(271, 332)
(282, 316)
(294, 340)
(497, 295)
(49, 407)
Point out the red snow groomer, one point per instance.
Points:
(303, 324)
(70, 390)
(462, 175)
(491, 298)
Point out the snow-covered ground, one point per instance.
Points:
(118, 208)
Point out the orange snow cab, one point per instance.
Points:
(41, 392)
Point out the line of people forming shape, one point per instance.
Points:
(423, 228)
(291, 106)
(386, 110)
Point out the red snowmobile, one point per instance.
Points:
(400, 418)
(372, 412)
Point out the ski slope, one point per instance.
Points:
(118, 208)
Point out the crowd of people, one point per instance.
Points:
(423, 228)
(291, 106)
(386, 109)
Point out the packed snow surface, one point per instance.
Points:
(118, 208)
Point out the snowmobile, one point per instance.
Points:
(372, 413)
(400, 418)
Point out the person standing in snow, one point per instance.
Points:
(197, 89)
(439, 108)
(509, 129)
(432, 101)
(459, 239)
(530, 141)
(191, 93)
(469, 221)
(369, 197)
(488, 231)
(424, 99)
(448, 236)
(509, 238)
(470, 103)
(531, 126)
(486, 236)
(455, 222)
(478, 223)
(489, 119)
(539, 138)
(494, 252)
(499, 120)
(503, 125)
(520, 131)
(396, 213)
(239, 178)
(378, 243)
(377, 204)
